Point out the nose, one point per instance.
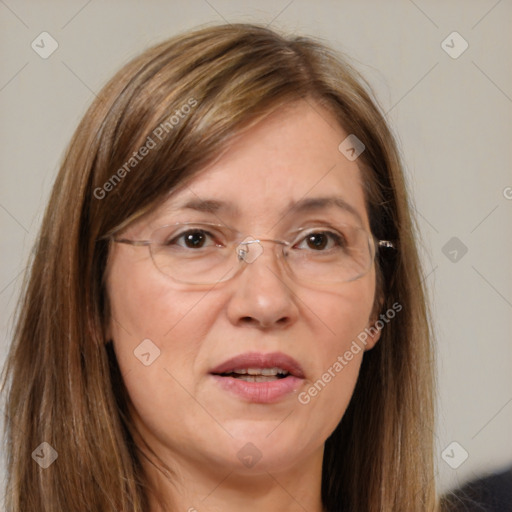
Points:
(263, 295)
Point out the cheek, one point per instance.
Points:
(156, 335)
(144, 304)
(345, 313)
(154, 327)
(327, 395)
(163, 408)
(339, 352)
(327, 398)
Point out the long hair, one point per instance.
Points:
(184, 100)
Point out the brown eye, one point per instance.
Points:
(195, 239)
(317, 241)
(192, 239)
(321, 241)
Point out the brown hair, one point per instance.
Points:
(64, 383)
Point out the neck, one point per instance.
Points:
(201, 487)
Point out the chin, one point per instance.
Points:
(256, 448)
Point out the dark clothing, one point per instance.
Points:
(489, 494)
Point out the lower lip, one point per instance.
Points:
(260, 392)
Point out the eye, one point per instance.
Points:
(322, 241)
(192, 239)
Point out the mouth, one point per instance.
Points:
(261, 378)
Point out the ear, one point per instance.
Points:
(372, 328)
(107, 333)
(373, 335)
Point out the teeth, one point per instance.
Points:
(261, 371)
(258, 378)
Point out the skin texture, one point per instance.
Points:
(190, 421)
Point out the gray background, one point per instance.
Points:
(452, 117)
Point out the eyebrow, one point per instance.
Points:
(309, 204)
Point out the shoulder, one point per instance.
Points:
(488, 494)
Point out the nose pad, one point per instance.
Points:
(249, 249)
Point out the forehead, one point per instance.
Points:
(287, 163)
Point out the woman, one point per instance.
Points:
(225, 306)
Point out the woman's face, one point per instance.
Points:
(190, 416)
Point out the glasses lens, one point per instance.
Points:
(334, 254)
(194, 253)
(208, 253)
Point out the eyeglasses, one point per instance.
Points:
(207, 253)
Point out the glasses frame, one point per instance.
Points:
(374, 244)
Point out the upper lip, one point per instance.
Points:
(258, 360)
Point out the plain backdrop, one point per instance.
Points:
(450, 111)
